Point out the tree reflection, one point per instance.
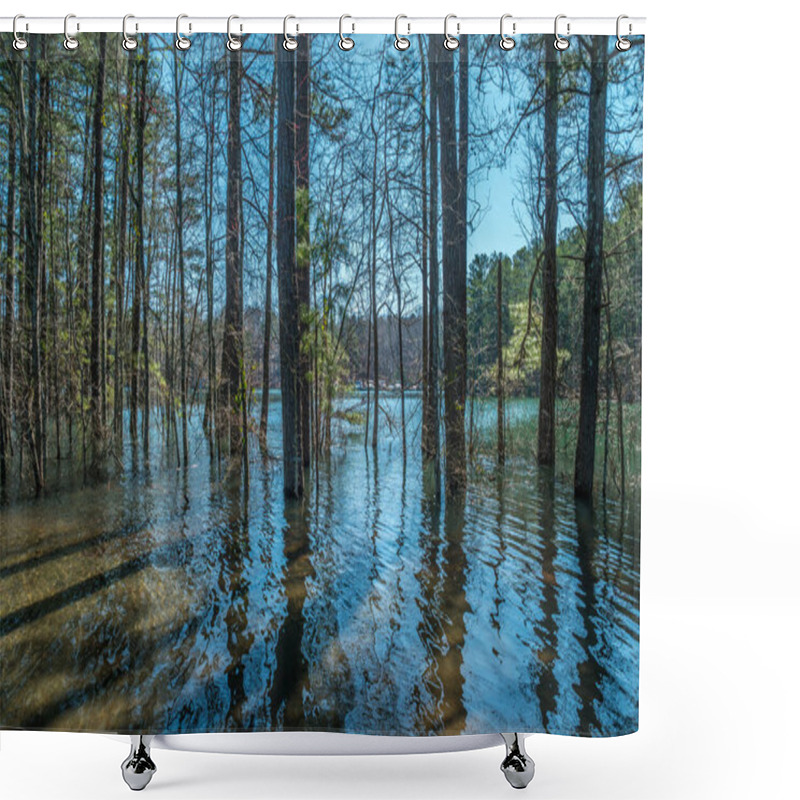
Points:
(442, 629)
(235, 587)
(590, 672)
(547, 683)
(290, 679)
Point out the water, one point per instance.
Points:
(183, 600)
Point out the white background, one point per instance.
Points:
(720, 613)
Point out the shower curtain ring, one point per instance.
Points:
(400, 42)
(19, 43)
(289, 42)
(560, 43)
(70, 42)
(234, 43)
(450, 42)
(345, 42)
(623, 44)
(181, 41)
(506, 42)
(128, 42)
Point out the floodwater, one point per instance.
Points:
(183, 600)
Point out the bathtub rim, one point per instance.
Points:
(305, 743)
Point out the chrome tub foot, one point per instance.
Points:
(138, 768)
(517, 766)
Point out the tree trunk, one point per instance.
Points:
(95, 357)
(289, 329)
(146, 268)
(373, 289)
(181, 261)
(31, 404)
(211, 399)
(6, 409)
(431, 448)
(270, 226)
(501, 421)
(454, 301)
(122, 233)
(549, 343)
(139, 269)
(399, 295)
(425, 300)
(303, 258)
(593, 269)
(231, 386)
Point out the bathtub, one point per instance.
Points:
(139, 767)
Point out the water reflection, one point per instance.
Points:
(290, 679)
(189, 600)
(546, 683)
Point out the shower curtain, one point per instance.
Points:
(321, 385)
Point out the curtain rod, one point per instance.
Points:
(382, 25)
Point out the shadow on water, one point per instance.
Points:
(546, 682)
(235, 588)
(191, 599)
(290, 679)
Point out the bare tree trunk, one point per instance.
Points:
(373, 289)
(302, 134)
(181, 261)
(373, 292)
(431, 448)
(95, 371)
(41, 182)
(7, 390)
(289, 333)
(232, 388)
(454, 301)
(138, 310)
(211, 400)
(549, 344)
(31, 404)
(399, 295)
(122, 232)
(501, 421)
(270, 225)
(593, 269)
(369, 367)
(425, 246)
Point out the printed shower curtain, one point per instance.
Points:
(321, 385)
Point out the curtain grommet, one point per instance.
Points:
(70, 42)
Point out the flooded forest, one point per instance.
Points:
(320, 384)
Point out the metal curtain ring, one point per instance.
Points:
(450, 42)
(234, 43)
(560, 43)
(345, 42)
(181, 42)
(400, 42)
(289, 42)
(70, 42)
(623, 44)
(19, 43)
(506, 42)
(128, 42)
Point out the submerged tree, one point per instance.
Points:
(431, 442)
(593, 268)
(232, 387)
(289, 326)
(549, 341)
(454, 272)
(303, 257)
